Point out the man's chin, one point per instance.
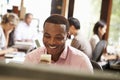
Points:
(51, 52)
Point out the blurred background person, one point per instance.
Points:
(99, 31)
(79, 41)
(7, 26)
(25, 31)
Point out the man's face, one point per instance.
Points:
(54, 38)
(29, 19)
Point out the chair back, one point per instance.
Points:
(96, 66)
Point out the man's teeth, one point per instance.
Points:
(52, 47)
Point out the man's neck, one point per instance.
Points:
(56, 56)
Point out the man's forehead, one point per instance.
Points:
(54, 28)
(61, 25)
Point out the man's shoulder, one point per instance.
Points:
(77, 55)
(21, 23)
(75, 51)
(80, 38)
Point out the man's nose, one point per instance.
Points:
(52, 41)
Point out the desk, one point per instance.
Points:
(113, 64)
(106, 57)
(16, 57)
(108, 62)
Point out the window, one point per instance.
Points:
(88, 13)
(114, 33)
(40, 10)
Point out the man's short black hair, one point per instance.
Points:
(75, 22)
(57, 19)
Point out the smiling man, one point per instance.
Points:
(55, 33)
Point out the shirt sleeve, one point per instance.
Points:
(2, 39)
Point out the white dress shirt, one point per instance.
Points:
(2, 38)
(25, 32)
(81, 43)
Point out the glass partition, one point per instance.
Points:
(88, 13)
(114, 33)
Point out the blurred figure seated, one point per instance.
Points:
(7, 26)
(25, 31)
(99, 31)
(79, 41)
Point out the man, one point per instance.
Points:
(55, 32)
(79, 40)
(25, 31)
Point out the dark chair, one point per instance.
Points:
(96, 66)
(97, 52)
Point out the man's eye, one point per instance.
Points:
(47, 36)
(59, 38)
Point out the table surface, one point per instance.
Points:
(17, 57)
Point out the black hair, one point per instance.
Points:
(97, 25)
(57, 19)
(75, 22)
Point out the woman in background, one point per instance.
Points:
(99, 31)
(7, 26)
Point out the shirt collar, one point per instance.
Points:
(64, 53)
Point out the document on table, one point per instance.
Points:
(16, 57)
